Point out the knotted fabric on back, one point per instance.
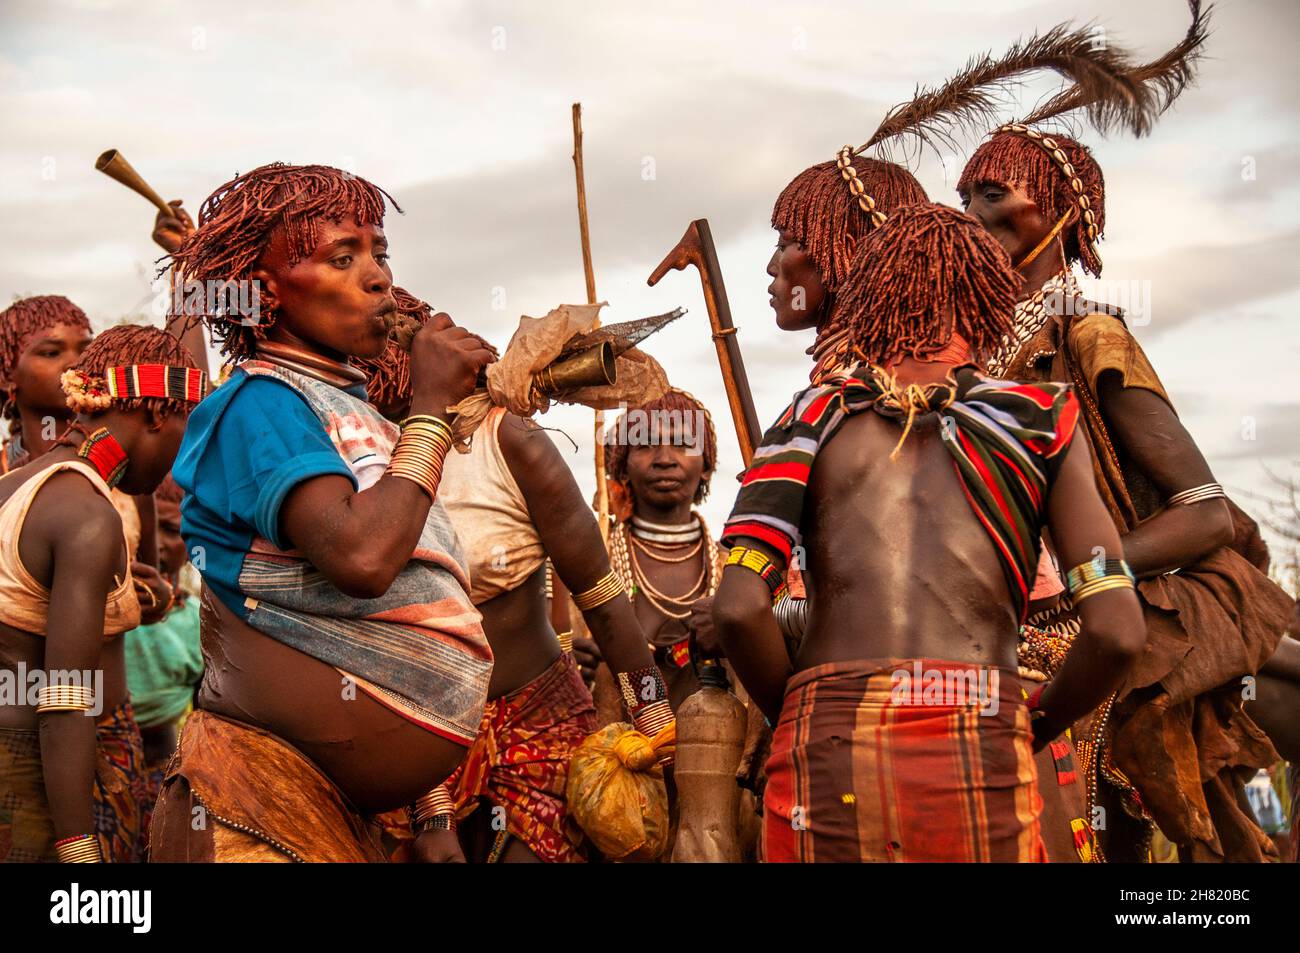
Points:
(1006, 440)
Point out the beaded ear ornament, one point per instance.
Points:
(86, 393)
(90, 393)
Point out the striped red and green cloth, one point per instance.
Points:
(902, 760)
(1006, 440)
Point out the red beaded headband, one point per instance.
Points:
(156, 380)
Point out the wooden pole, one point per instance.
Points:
(602, 491)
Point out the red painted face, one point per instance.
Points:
(797, 292)
(35, 379)
(1009, 214)
(335, 300)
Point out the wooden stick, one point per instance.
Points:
(696, 248)
(602, 491)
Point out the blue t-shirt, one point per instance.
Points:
(246, 446)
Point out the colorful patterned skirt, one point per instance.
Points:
(26, 828)
(902, 760)
(519, 763)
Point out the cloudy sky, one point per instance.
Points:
(461, 110)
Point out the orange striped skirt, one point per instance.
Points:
(902, 760)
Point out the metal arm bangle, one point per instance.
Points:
(1197, 494)
(602, 592)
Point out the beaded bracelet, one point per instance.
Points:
(79, 849)
(642, 687)
(757, 561)
(602, 592)
(1094, 577)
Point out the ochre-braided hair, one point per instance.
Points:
(388, 376)
(21, 322)
(675, 399)
(236, 223)
(1012, 160)
(927, 273)
(124, 344)
(820, 211)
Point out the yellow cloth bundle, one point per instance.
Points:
(616, 791)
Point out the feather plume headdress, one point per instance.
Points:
(1063, 178)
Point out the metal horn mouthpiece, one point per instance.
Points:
(593, 367)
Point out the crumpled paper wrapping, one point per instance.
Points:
(536, 343)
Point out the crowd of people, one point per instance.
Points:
(980, 593)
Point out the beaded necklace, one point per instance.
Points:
(658, 554)
(1030, 318)
(101, 450)
(627, 568)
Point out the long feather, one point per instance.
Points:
(970, 100)
(1165, 77)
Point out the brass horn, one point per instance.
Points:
(114, 165)
(593, 367)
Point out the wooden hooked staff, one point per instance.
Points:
(696, 248)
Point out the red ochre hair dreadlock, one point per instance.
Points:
(927, 273)
(1012, 160)
(26, 318)
(388, 377)
(674, 400)
(135, 344)
(237, 220)
(820, 210)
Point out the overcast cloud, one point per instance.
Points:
(461, 110)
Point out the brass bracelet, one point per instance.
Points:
(653, 719)
(435, 803)
(425, 419)
(1090, 589)
(1097, 576)
(611, 587)
(566, 641)
(64, 698)
(1095, 569)
(419, 454)
(79, 850)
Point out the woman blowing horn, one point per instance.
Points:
(348, 667)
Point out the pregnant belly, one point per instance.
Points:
(377, 758)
